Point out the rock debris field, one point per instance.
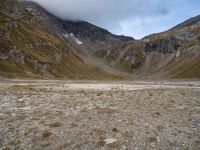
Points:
(94, 115)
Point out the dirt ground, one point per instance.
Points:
(86, 115)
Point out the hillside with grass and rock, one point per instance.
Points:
(36, 44)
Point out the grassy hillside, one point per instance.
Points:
(27, 49)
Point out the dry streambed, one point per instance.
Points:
(99, 115)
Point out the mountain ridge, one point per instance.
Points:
(160, 55)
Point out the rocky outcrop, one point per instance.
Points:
(164, 45)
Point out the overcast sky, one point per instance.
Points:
(136, 18)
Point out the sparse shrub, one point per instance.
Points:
(160, 127)
(152, 139)
(46, 134)
(55, 124)
(114, 130)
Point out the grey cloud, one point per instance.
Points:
(104, 11)
(115, 15)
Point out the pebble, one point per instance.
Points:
(110, 140)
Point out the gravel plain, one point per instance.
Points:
(94, 115)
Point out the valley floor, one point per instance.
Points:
(99, 115)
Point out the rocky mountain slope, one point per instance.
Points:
(171, 54)
(174, 53)
(34, 43)
(181, 53)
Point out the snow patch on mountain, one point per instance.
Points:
(72, 36)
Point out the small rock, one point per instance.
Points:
(100, 93)
(123, 148)
(151, 94)
(110, 140)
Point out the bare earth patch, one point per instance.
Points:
(99, 115)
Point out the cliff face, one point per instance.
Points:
(34, 43)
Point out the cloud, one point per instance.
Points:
(130, 17)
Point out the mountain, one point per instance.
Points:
(174, 53)
(171, 54)
(186, 44)
(34, 43)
